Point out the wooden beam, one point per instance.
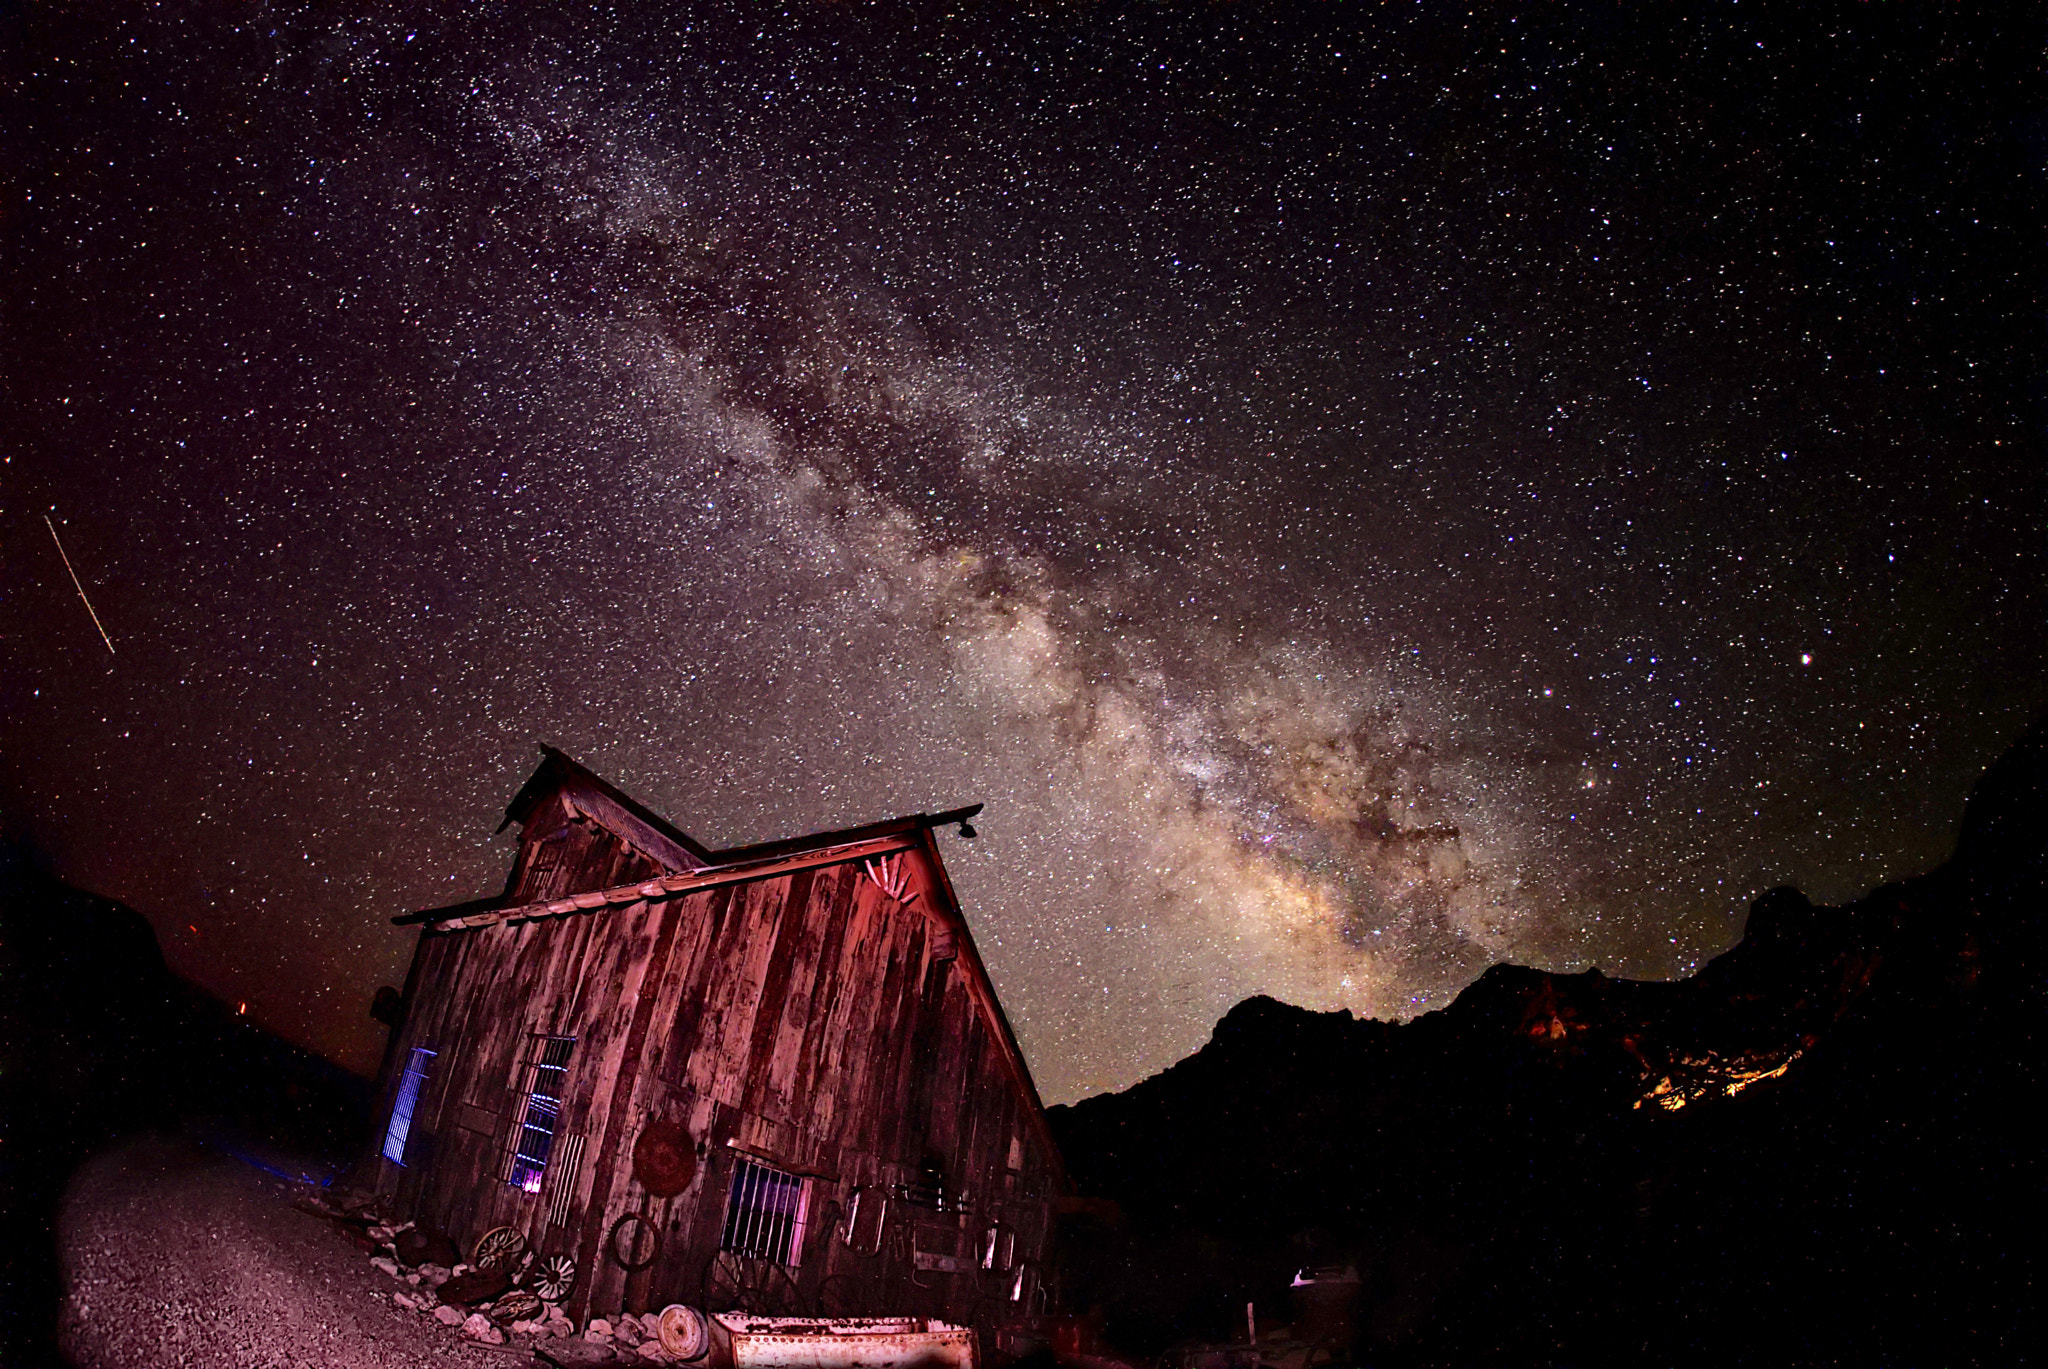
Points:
(666, 886)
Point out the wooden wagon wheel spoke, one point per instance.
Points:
(723, 1286)
(496, 1246)
(518, 1305)
(555, 1277)
(775, 1294)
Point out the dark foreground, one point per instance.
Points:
(1821, 1149)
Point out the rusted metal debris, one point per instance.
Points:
(739, 1341)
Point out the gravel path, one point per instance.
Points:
(178, 1256)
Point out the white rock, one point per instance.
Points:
(479, 1327)
(388, 1266)
(405, 1300)
(413, 1279)
(434, 1275)
(526, 1328)
(652, 1353)
(459, 1269)
(628, 1331)
(447, 1316)
(599, 1329)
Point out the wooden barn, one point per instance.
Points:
(773, 1078)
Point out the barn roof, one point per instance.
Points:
(625, 816)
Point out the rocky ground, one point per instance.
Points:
(174, 1254)
(177, 1253)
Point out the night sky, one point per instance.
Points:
(1361, 492)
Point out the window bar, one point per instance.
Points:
(753, 1240)
(533, 1135)
(745, 1215)
(565, 1181)
(802, 1223)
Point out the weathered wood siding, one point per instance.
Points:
(561, 851)
(810, 1020)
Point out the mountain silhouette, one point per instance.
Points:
(1818, 1149)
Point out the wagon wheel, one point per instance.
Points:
(837, 1297)
(554, 1277)
(518, 1305)
(738, 1283)
(494, 1247)
(776, 1292)
(723, 1287)
(625, 1255)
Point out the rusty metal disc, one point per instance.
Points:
(664, 1159)
(684, 1333)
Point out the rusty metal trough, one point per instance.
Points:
(743, 1341)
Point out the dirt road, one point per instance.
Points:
(178, 1255)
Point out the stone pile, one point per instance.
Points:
(490, 1306)
(634, 1339)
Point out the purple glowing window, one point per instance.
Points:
(541, 1112)
(765, 1213)
(409, 1085)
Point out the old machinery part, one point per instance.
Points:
(623, 1255)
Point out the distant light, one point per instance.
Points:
(1805, 658)
(242, 1009)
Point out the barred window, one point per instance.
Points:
(409, 1085)
(765, 1213)
(534, 1137)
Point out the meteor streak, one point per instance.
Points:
(76, 585)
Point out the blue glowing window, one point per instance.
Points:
(409, 1085)
(534, 1138)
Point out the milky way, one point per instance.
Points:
(1359, 494)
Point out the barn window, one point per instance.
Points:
(765, 1212)
(549, 854)
(409, 1085)
(534, 1137)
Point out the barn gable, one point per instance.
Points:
(578, 833)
